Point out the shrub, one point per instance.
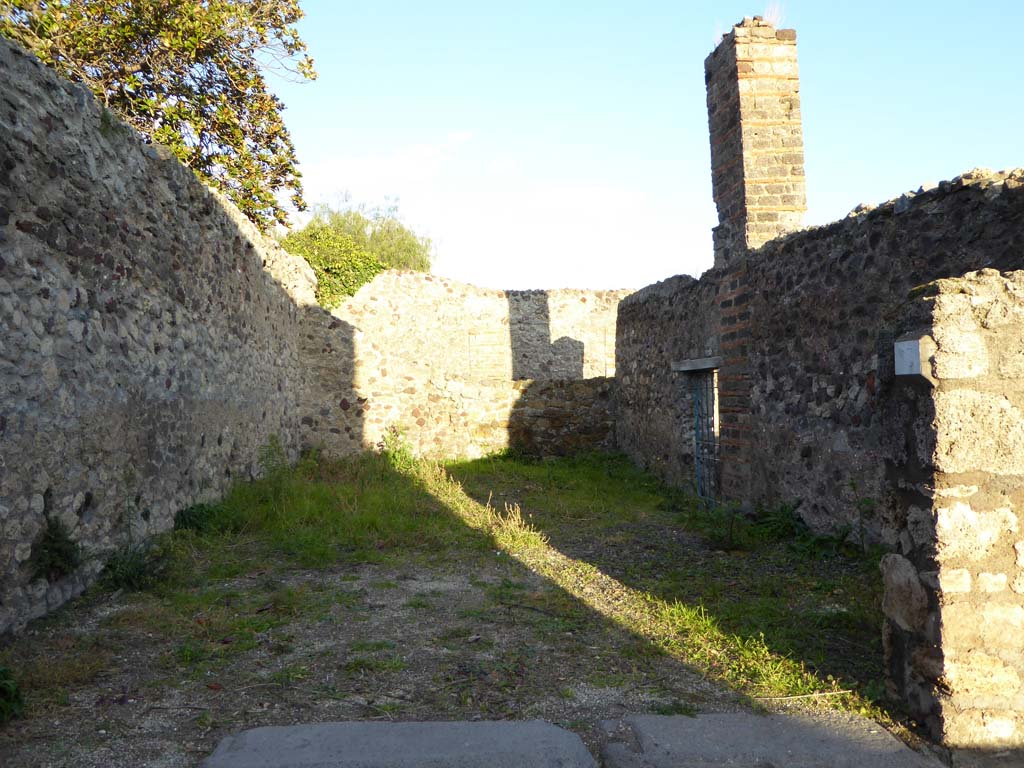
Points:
(199, 518)
(341, 264)
(136, 567)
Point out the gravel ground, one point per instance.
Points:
(491, 641)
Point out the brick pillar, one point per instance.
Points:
(757, 156)
(757, 176)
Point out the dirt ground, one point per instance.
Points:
(371, 643)
(431, 619)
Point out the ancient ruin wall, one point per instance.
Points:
(810, 321)
(461, 370)
(675, 319)
(954, 589)
(825, 307)
(148, 335)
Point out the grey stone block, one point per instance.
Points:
(404, 745)
(755, 741)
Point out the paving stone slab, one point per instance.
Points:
(404, 745)
(755, 741)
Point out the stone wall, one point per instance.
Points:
(148, 335)
(453, 366)
(810, 411)
(672, 320)
(807, 323)
(826, 306)
(954, 599)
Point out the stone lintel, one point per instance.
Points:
(696, 364)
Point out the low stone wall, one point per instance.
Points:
(453, 366)
(148, 336)
(954, 589)
(563, 417)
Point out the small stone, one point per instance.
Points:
(23, 551)
(992, 582)
(904, 600)
(953, 580)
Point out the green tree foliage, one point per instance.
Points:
(341, 264)
(186, 74)
(348, 248)
(383, 235)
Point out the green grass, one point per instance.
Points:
(757, 604)
(372, 664)
(323, 511)
(12, 704)
(766, 607)
(597, 489)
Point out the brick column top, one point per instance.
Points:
(757, 159)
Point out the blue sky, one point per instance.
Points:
(564, 144)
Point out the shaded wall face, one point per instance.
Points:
(805, 326)
(536, 354)
(673, 320)
(825, 307)
(148, 336)
(457, 368)
(954, 589)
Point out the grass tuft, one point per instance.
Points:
(12, 705)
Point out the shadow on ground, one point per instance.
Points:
(806, 600)
(377, 588)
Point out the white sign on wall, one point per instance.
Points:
(908, 357)
(913, 355)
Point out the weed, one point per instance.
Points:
(289, 601)
(111, 125)
(67, 664)
(289, 675)
(190, 652)
(136, 567)
(513, 533)
(12, 705)
(396, 449)
(608, 679)
(675, 707)
(55, 554)
(199, 518)
(272, 457)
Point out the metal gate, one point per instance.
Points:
(705, 433)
